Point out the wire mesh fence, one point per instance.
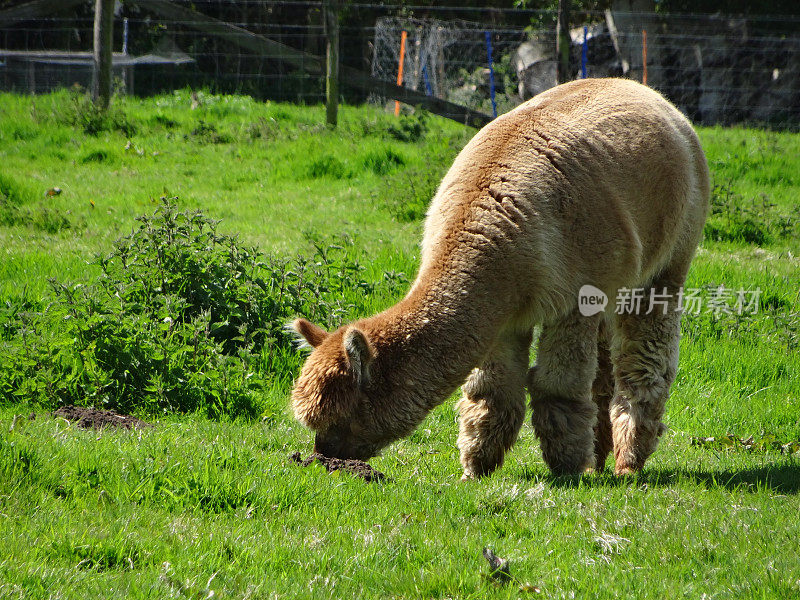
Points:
(153, 55)
(717, 69)
(449, 59)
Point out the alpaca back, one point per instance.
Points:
(600, 181)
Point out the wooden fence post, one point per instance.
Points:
(103, 56)
(332, 62)
(563, 42)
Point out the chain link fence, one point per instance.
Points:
(717, 69)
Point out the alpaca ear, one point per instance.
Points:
(359, 354)
(310, 335)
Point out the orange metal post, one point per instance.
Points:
(400, 69)
(644, 56)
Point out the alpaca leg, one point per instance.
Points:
(492, 409)
(602, 393)
(645, 356)
(560, 385)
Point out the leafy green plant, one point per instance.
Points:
(11, 315)
(180, 318)
(409, 128)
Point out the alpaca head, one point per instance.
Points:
(332, 394)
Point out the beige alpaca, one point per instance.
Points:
(600, 182)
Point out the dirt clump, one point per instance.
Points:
(95, 418)
(349, 465)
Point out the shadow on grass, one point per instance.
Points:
(783, 478)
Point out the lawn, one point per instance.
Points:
(198, 507)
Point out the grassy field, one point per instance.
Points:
(196, 507)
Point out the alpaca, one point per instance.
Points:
(597, 182)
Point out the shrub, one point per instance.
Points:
(410, 128)
(179, 318)
(11, 315)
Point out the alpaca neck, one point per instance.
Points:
(429, 342)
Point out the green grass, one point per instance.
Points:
(193, 506)
(164, 511)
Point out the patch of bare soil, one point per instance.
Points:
(350, 465)
(95, 418)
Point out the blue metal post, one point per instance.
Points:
(428, 89)
(584, 52)
(491, 72)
